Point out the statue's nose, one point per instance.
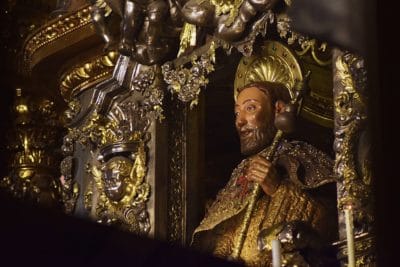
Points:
(240, 121)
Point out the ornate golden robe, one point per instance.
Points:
(305, 170)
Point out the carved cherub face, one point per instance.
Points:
(254, 122)
(117, 177)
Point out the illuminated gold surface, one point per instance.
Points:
(32, 145)
(243, 230)
(352, 149)
(117, 191)
(136, 193)
(276, 63)
(311, 45)
(314, 56)
(220, 228)
(227, 6)
(54, 30)
(348, 104)
(187, 38)
(87, 74)
(103, 5)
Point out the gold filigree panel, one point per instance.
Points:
(53, 31)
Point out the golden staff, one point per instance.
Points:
(284, 125)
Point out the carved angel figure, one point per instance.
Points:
(229, 18)
(144, 31)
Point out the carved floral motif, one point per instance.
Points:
(352, 154)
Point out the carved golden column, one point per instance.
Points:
(35, 137)
(352, 165)
(34, 144)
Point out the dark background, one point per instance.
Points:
(384, 105)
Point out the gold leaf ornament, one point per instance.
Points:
(275, 63)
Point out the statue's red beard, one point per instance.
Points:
(253, 140)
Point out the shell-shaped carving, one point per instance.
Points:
(276, 63)
(272, 69)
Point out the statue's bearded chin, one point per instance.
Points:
(253, 140)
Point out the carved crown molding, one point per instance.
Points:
(53, 31)
(87, 73)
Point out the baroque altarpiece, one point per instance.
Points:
(123, 109)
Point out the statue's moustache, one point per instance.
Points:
(246, 131)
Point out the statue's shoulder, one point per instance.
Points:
(307, 166)
(296, 147)
(227, 204)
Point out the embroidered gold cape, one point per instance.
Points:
(304, 169)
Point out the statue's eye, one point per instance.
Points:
(250, 108)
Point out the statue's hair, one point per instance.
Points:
(275, 91)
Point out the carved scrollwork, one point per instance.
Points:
(227, 7)
(186, 83)
(143, 81)
(352, 154)
(123, 191)
(117, 190)
(82, 76)
(350, 121)
(113, 125)
(364, 247)
(88, 132)
(55, 30)
(69, 189)
(306, 44)
(245, 46)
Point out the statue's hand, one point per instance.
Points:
(264, 173)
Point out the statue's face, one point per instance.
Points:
(116, 177)
(254, 120)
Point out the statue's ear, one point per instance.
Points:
(279, 107)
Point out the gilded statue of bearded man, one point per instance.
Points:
(294, 208)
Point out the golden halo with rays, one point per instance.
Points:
(275, 63)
